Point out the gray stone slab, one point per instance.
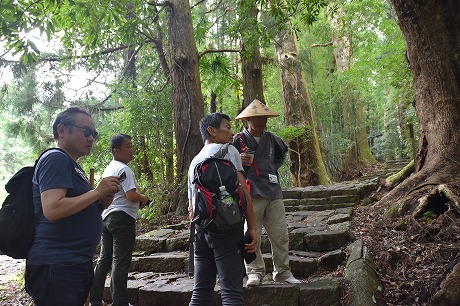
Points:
(178, 226)
(361, 275)
(159, 233)
(177, 292)
(291, 202)
(338, 218)
(318, 207)
(330, 200)
(271, 295)
(328, 191)
(133, 287)
(313, 228)
(178, 242)
(292, 192)
(301, 267)
(149, 245)
(163, 262)
(307, 229)
(325, 241)
(345, 210)
(321, 292)
(342, 226)
(331, 260)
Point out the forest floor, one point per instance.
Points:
(411, 256)
(409, 259)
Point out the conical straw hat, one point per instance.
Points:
(256, 108)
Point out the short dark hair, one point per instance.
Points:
(117, 141)
(67, 117)
(214, 120)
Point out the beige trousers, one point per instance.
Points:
(271, 215)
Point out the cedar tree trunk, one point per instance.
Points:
(432, 32)
(307, 166)
(187, 98)
(251, 61)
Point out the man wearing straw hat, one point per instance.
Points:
(262, 153)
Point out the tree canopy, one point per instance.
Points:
(126, 53)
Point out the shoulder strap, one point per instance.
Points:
(248, 140)
(49, 149)
(222, 151)
(58, 149)
(37, 215)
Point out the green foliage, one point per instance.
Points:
(429, 216)
(378, 79)
(291, 133)
(218, 78)
(94, 36)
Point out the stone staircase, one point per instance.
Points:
(318, 218)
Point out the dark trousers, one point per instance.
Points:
(117, 244)
(218, 255)
(59, 284)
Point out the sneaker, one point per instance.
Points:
(253, 280)
(290, 280)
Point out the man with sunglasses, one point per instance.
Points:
(59, 267)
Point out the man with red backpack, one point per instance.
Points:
(219, 253)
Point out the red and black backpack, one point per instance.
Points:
(220, 202)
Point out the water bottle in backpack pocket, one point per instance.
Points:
(228, 211)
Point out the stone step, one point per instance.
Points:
(150, 289)
(357, 187)
(306, 231)
(302, 263)
(319, 207)
(161, 262)
(322, 201)
(395, 164)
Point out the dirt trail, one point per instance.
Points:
(11, 282)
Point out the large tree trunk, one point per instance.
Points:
(307, 166)
(432, 32)
(251, 61)
(186, 88)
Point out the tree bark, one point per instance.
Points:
(251, 61)
(432, 32)
(187, 98)
(307, 166)
(400, 176)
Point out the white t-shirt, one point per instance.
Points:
(209, 150)
(120, 201)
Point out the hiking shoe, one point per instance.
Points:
(290, 280)
(253, 280)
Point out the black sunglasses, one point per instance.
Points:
(88, 131)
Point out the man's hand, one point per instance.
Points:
(108, 185)
(190, 210)
(143, 202)
(251, 247)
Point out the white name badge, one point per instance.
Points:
(273, 179)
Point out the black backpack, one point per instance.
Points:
(17, 217)
(219, 203)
